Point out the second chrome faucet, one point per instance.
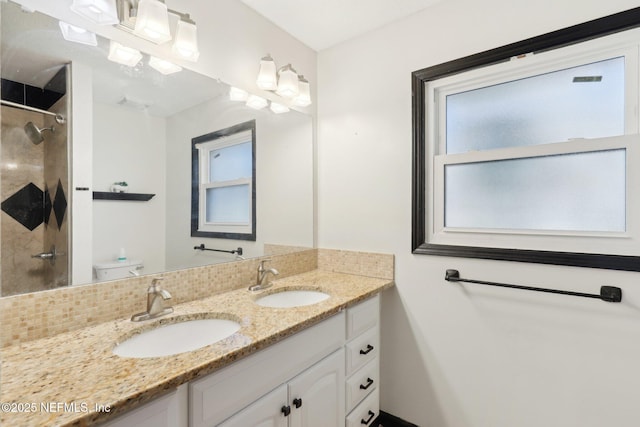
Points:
(261, 278)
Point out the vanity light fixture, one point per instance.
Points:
(185, 44)
(278, 108)
(152, 21)
(236, 94)
(101, 12)
(304, 96)
(77, 34)
(267, 79)
(123, 55)
(256, 102)
(284, 82)
(149, 19)
(162, 66)
(288, 82)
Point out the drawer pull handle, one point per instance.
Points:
(286, 410)
(368, 350)
(368, 420)
(369, 382)
(297, 402)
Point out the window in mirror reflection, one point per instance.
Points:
(223, 183)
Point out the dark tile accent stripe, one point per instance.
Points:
(59, 204)
(26, 206)
(34, 96)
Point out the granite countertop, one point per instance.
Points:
(64, 380)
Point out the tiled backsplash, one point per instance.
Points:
(360, 263)
(42, 314)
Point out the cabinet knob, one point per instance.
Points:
(286, 410)
(297, 402)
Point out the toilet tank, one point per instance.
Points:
(118, 270)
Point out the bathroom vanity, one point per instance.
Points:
(289, 365)
(315, 377)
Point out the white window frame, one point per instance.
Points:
(625, 44)
(623, 243)
(203, 146)
(204, 150)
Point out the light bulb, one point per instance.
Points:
(288, 82)
(267, 79)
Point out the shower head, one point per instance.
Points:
(34, 133)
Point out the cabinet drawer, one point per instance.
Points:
(362, 350)
(366, 412)
(363, 316)
(361, 383)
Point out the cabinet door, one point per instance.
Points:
(167, 411)
(264, 412)
(316, 396)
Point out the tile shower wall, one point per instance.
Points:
(26, 228)
(33, 189)
(38, 315)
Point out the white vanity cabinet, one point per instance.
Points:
(169, 410)
(324, 376)
(300, 362)
(362, 363)
(312, 399)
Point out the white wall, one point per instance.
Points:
(130, 146)
(465, 356)
(81, 124)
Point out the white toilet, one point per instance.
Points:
(118, 269)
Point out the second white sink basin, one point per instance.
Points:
(291, 298)
(177, 338)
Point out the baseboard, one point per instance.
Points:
(388, 420)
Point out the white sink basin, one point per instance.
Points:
(288, 299)
(177, 338)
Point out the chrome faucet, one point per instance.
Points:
(262, 276)
(155, 302)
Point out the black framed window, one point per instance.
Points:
(223, 185)
(458, 211)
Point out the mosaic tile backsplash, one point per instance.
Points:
(42, 314)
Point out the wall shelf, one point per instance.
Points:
(108, 195)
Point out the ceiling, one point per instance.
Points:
(324, 23)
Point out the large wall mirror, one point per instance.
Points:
(90, 123)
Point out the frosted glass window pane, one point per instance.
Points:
(228, 204)
(539, 110)
(572, 192)
(230, 163)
